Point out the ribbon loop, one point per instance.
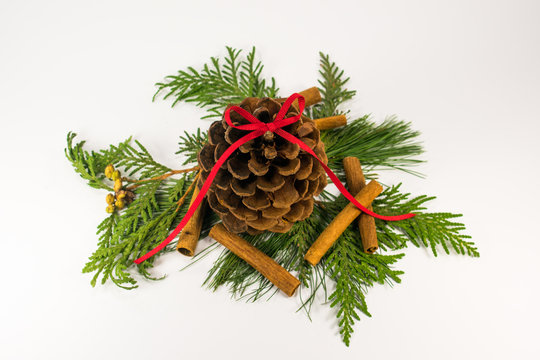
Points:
(258, 128)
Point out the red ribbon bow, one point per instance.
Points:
(258, 128)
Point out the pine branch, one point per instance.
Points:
(216, 85)
(392, 144)
(286, 249)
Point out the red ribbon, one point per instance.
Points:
(258, 128)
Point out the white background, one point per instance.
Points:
(466, 73)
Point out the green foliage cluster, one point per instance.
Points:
(434, 230)
(129, 234)
(353, 271)
(390, 144)
(332, 87)
(190, 144)
(218, 84)
(345, 273)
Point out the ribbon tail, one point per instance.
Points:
(200, 196)
(338, 183)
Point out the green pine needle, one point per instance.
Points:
(391, 144)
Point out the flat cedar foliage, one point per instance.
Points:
(345, 273)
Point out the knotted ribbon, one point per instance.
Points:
(259, 128)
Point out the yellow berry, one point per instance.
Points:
(117, 185)
(110, 209)
(121, 195)
(109, 171)
(120, 204)
(115, 175)
(110, 199)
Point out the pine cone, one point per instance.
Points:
(268, 183)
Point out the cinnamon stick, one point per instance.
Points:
(311, 95)
(356, 182)
(331, 122)
(340, 223)
(270, 269)
(189, 237)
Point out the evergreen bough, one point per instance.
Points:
(160, 203)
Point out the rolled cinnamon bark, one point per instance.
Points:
(189, 237)
(340, 223)
(270, 269)
(311, 95)
(331, 122)
(356, 182)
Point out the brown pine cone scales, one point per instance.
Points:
(268, 183)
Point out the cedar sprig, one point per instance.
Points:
(137, 160)
(126, 235)
(91, 165)
(332, 87)
(354, 272)
(190, 145)
(218, 84)
(430, 230)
